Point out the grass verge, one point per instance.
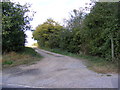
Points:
(27, 56)
(97, 64)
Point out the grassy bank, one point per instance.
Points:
(27, 56)
(94, 63)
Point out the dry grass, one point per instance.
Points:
(102, 67)
(13, 59)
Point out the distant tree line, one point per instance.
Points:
(14, 24)
(96, 33)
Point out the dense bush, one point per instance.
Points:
(14, 23)
(101, 30)
(96, 33)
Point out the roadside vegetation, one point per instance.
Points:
(15, 22)
(94, 36)
(27, 56)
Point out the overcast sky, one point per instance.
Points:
(55, 9)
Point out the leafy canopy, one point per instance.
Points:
(47, 33)
(14, 23)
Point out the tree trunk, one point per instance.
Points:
(112, 48)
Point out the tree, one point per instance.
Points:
(70, 37)
(47, 34)
(101, 30)
(14, 23)
(96, 33)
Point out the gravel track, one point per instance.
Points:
(56, 71)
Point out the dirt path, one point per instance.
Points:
(57, 71)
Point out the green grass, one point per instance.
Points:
(97, 64)
(27, 56)
(30, 51)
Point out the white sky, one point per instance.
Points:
(55, 9)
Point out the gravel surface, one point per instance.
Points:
(57, 71)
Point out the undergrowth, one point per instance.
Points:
(27, 56)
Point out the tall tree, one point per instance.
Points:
(101, 30)
(47, 34)
(14, 23)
